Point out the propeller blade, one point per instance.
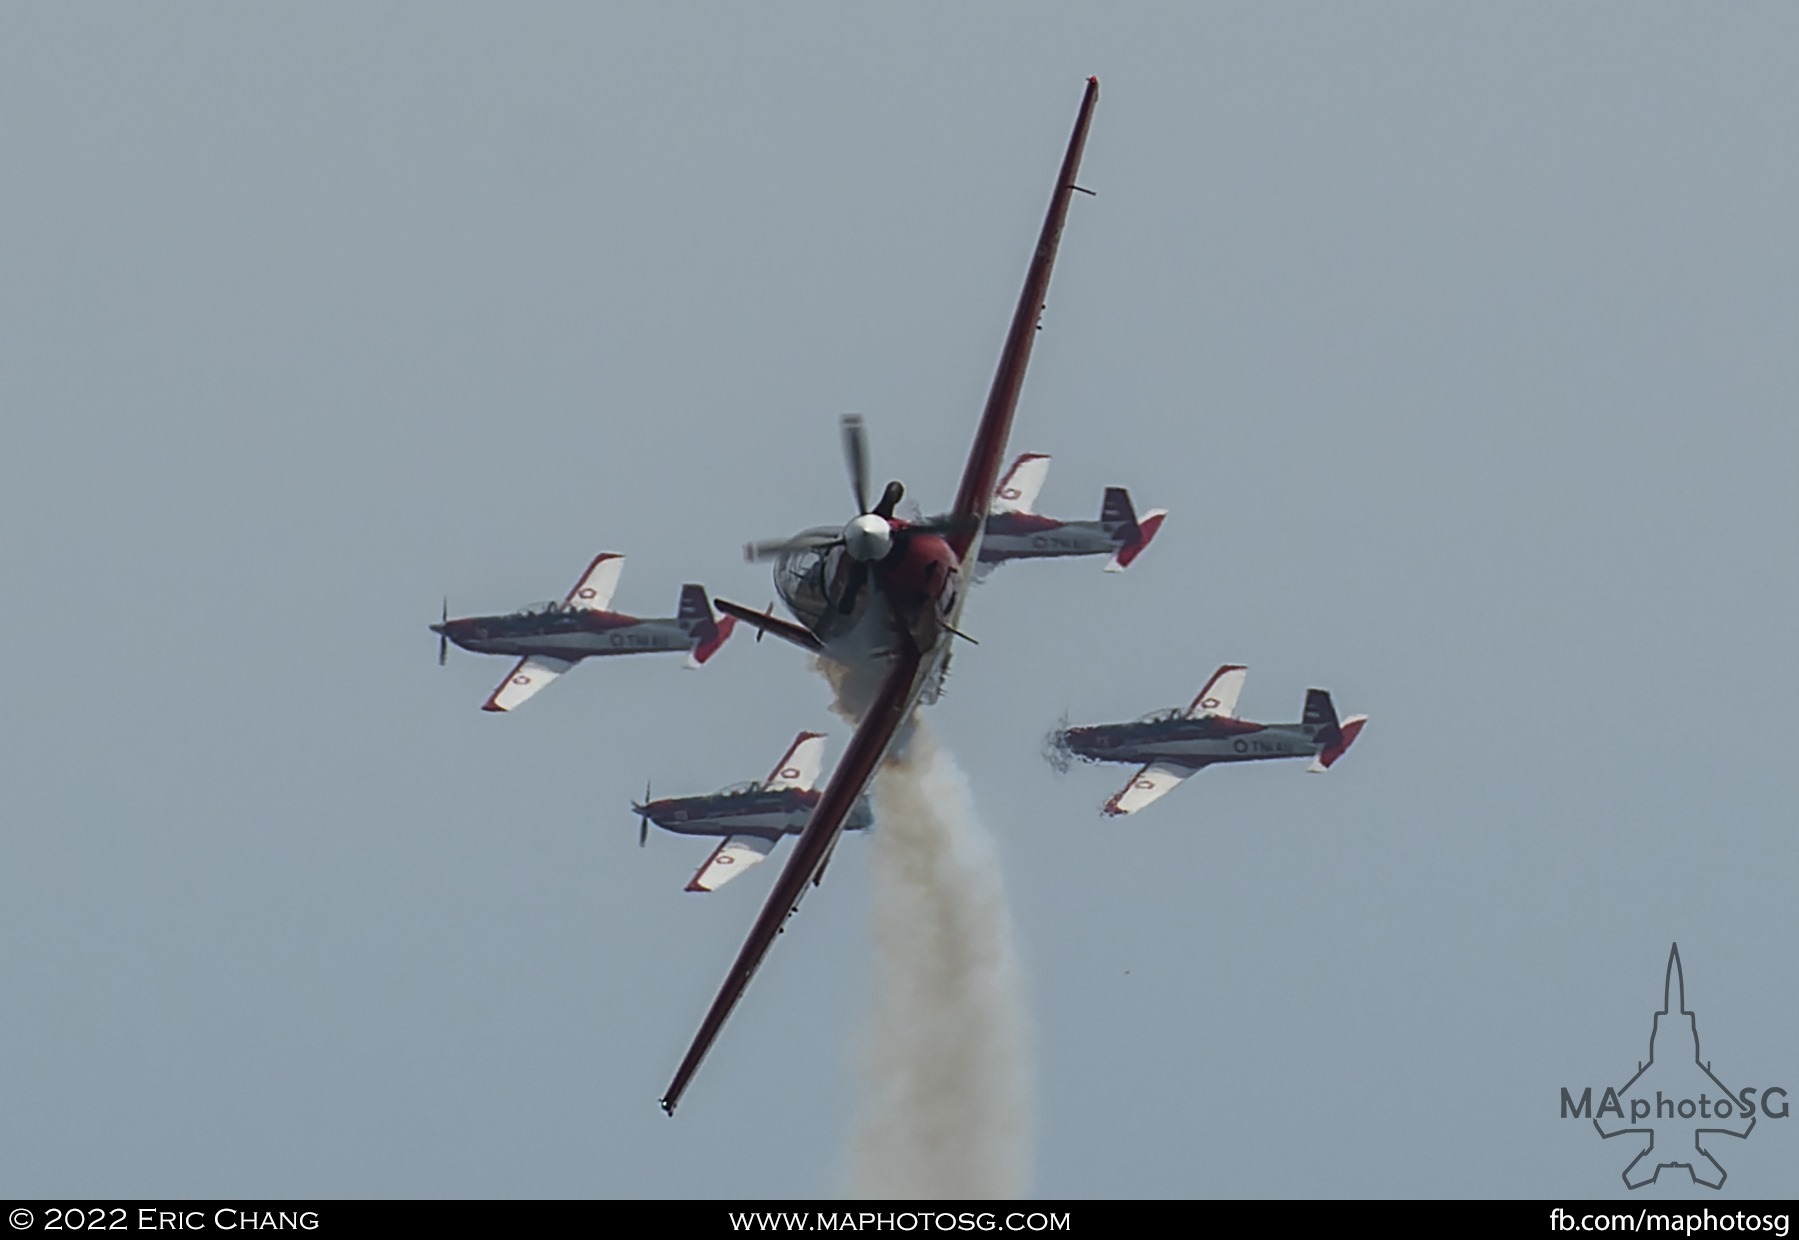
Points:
(443, 638)
(776, 547)
(643, 819)
(858, 577)
(890, 499)
(855, 455)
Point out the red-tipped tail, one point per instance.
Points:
(708, 646)
(1146, 530)
(1352, 728)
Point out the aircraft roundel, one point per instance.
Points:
(1010, 493)
(1146, 784)
(792, 772)
(726, 859)
(1209, 703)
(521, 680)
(588, 592)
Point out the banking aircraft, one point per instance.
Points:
(1017, 531)
(1174, 743)
(552, 637)
(880, 599)
(752, 817)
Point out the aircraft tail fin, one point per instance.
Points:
(696, 619)
(1321, 716)
(1115, 509)
(1132, 534)
(1333, 738)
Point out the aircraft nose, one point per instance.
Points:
(442, 629)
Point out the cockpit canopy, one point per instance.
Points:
(548, 607)
(800, 577)
(743, 789)
(1166, 715)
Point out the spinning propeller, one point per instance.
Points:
(643, 816)
(443, 637)
(870, 536)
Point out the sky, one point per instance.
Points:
(1457, 341)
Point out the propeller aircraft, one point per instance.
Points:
(881, 599)
(752, 817)
(1174, 743)
(552, 637)
(1017, 531)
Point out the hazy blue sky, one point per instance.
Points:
(1459, 341)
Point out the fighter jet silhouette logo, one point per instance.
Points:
(1678, 1092)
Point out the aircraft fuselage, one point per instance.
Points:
(914, 591)
(1203, 740)
(757, 811)
(1028, 536)
(572, 634)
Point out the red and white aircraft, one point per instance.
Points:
(552, 637)
(882, 599)
(1175, 743)
(1017, 531)
(752, 816)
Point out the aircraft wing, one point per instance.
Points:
(1219, 696)
(594, 590)
(1018, 489)
(800, 766)
(731, 858)
(854, 771)
(531, 674)
(982, 470)
(1152, 783)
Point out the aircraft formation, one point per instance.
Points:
(880, 598)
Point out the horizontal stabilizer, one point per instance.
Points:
(696, 618)
(1351, 728)
(1146, 530)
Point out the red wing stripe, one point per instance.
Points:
(799, 740)
(854, 770)
(982, 471)
(693, 884)
(598, 560)
(493, 699)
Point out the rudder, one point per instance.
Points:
(1115, 509)
(1321, 717)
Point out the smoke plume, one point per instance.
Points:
(945, 1055)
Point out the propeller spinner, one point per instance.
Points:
(869, 535)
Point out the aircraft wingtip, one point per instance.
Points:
(668, 1107)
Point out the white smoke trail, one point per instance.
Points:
(945, 1056)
